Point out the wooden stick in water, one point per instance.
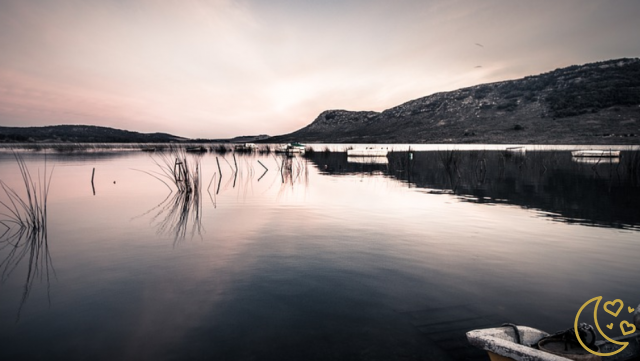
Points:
(263, 165)
(92, 186)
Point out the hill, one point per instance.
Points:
(81, 134)
(597, 103)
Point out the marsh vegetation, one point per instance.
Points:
(24, 219)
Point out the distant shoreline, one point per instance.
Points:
(224, 147)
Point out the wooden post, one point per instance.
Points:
(219, 170)
(235, 162)
(92, 186)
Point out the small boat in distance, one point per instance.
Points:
(367, 152)
(199, 149)
(515, 151)
(292, 148)
(246, 147)
(596, 153)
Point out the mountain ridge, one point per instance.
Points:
(81, 134)
(68, 133)
(592, 103)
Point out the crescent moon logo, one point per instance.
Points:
(595, 319)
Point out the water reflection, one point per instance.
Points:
(598, 194)
(368, 160)
(322, 266)
(596, 160)
(19, 243)
(180, 213)
(294, 169)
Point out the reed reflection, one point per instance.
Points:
(294, 169)
(18, 244)
(598, 193)
(178, 215)
(181, 212)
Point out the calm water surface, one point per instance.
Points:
(316, 258)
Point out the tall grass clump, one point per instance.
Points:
(265, 149)
(220, 149)
(632, 167)
(29, 210)
(309, 152)
(181, 171)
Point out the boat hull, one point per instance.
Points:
(367, 152)
(596, 153)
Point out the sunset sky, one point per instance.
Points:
(223, 68)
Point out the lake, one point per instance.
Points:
(315, 257)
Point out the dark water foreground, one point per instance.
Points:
(317, 258)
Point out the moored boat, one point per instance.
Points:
(515, 151)
(522, 343)
(199, 149)
(292, 148)
(246, 147)
(367, 152)
(596, 153)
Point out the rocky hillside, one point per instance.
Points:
(80, 134)
(597, 103)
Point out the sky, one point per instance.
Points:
(225, 68)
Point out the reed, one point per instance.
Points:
(450, 159)
(220, 149)
(292, 169)
(309, 152)
(29, 210)
(265, 150)
(181, 171)
(631, 164)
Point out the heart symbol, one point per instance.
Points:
(611, 303)
(610, 326)
(632, 330)
(631, 309)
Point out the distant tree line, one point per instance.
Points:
(13, 138)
